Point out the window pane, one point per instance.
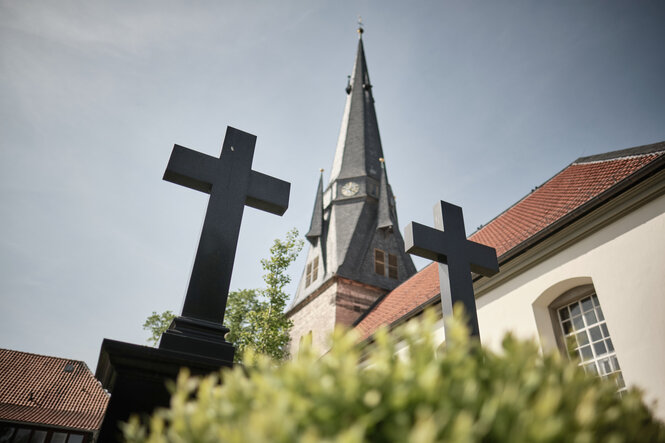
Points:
(578, 323)
(586, 304)
(582, 338)
(595, 333)
(315, 269)
(575, 309)
(615, 364)
(590, 318)
(600, 348)
(571, 344)
(567, 327)
(591, 369)
(379, 260)
(58, 437)
(599, 313)
(392, 266)
(75, 438)
(586, 353)
(22, 435)
(594, 297)
(6, 433)
(620, 383)
(605, 366)
(603, 327)
(609, 345)
(392, 260)
(38, 437)
(563, 313)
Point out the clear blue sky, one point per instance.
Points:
(478, 102)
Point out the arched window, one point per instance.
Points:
(582, 333)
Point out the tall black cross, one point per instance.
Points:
(447, 244)
(232, 184)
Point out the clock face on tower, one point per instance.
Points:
(350, 188)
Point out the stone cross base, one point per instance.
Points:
(136, 377)
(199, 337)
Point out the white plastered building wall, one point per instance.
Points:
(620, 249)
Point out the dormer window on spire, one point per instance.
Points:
(385, 264)
(312, 271)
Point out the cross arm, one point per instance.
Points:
(482, 259)
(422, 240)
(191, 169)
(268, 193)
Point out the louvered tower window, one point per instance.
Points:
(379, 261)
(392, 266)
(382, 267)
(312, 271)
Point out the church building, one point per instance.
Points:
(582, 268)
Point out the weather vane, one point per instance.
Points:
(360, 25)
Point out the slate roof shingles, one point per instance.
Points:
(567, 191)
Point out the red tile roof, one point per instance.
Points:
(49, 391)
(579, 183)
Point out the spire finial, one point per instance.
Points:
(360, 27)
(321, 170)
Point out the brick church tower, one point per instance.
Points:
(356, 252)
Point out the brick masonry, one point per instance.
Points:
(341, 302)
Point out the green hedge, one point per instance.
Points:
(463, 393)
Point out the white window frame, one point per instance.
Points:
(582, 333)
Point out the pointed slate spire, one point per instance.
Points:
(359, 144)
(384, 220)
(316, 225)
(345, 241)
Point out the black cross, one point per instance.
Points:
(447, 244)
(232, 184)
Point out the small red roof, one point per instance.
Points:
(582, 181)
(50, 391)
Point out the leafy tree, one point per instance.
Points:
(238, 308)
(389, 392)
(157, 324)
(256, 317)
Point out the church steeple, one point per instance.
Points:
(357, 251)
(359, 144)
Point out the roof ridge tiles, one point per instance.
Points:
(51, 357)
(637, 151)
(626, 157)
